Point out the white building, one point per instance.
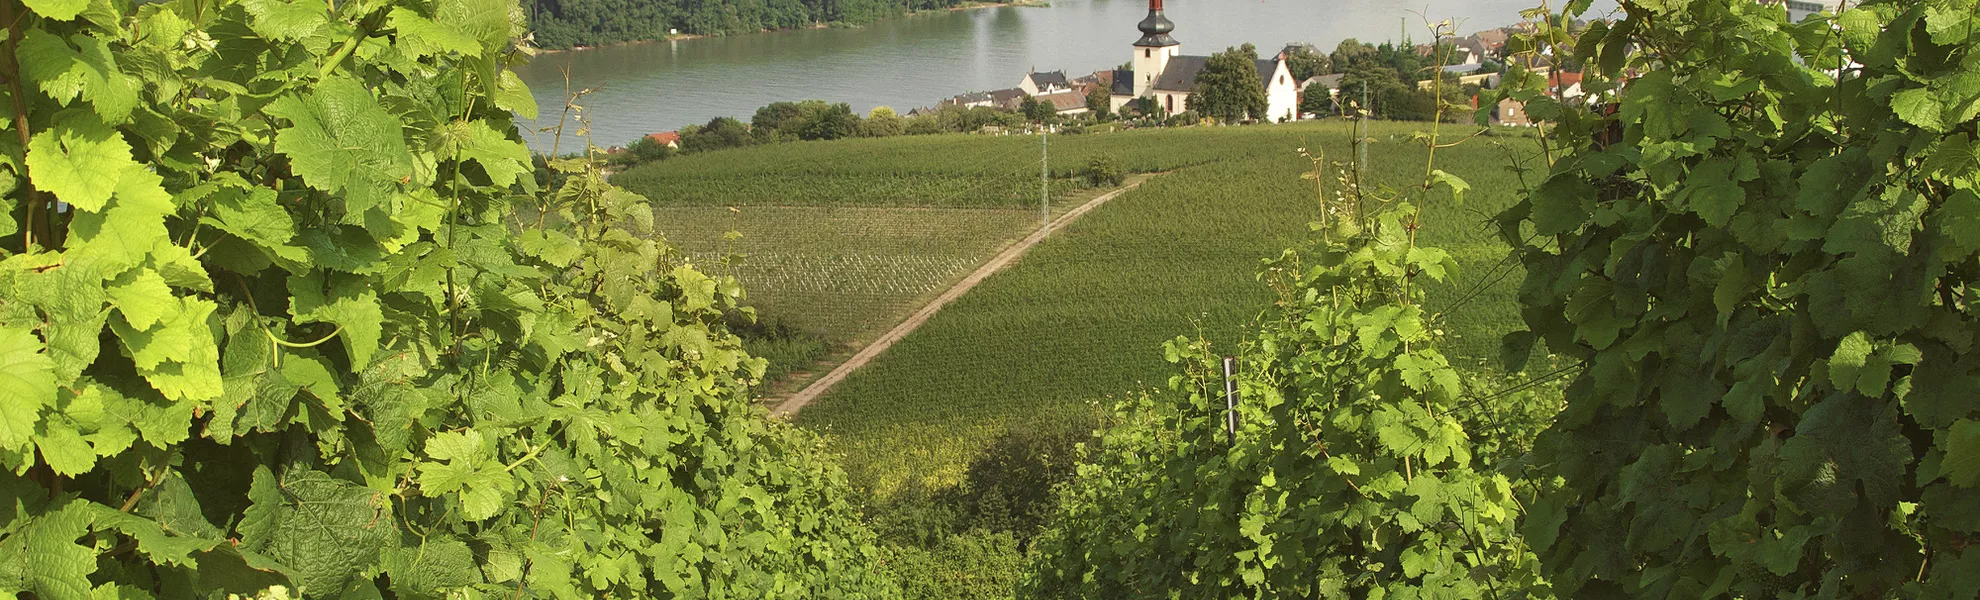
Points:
(1160, 71)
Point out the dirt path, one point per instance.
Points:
(997, 263)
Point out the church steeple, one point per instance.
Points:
(1155, 29)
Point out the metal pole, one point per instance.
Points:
(1044, 180)
(1230, 397)
(1361, 137)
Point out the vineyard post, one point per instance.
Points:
(1230, 397)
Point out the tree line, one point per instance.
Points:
(567, 23)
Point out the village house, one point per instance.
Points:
(1560, 85)
(1039, 84)
(670, 139)
(1160, 71)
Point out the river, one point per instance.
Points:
(917, 60)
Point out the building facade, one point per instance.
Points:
(1160, 71)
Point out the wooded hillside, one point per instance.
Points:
(567, 23)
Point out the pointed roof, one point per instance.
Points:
(1155, 29)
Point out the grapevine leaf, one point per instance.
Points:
(65, 450)
(469, 470)
(421, 37)
(145, 300)
(1560, 205)
(27, 383)
(1846, 365)
(1711, 192)
(504, 159)
(71, 162)
(511, 94)
(486, 21)
(65, 73)
(1918, 106)
(326, 530)
(41, 556)
(60, 10)
(1960, 220)
(1962, 463)
(133, 227)
(277, 20)
(554, 247)
(179, 356)
(1456, 184)
(256, 217)
(340, 141)
(347, 302)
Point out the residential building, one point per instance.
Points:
(1038, 84)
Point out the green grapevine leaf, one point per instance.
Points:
(60, 10)
(42, 557)
(468, 470)
(421, 37)
(72, 162)
(1846, 365)
(144, 300)
(287, 21)
(1918, 106)
(91, 73)
(1962, 463)
(27, 383)
(344, 301)
(327, 531)
(340, 141)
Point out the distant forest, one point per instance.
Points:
(567, 23)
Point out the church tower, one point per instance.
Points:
(1153, 51)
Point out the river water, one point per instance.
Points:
(917, 60)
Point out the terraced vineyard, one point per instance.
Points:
(1080, 318)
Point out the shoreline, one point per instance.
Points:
(977, 5)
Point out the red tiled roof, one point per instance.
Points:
(666, 138)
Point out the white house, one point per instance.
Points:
(1039, 84)
(1160, 71)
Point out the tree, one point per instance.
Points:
(882, 122)
(718, 134)
(1351, 53)
(1100, 100)
(829, 122)
(1317, 101)
(778, 121)
(1038, 111)
(1306, 63)
(1228, 88)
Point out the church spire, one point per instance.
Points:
(1155, 29)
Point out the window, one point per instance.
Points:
(1146, 53)
(1282, 80)
(1169, 103)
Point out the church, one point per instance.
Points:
(1160, 71)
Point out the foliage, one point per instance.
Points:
(280, 307)
(720, 133)
(1228, 88)
(807, 120)
(567, 23)
(1316, 101)
(1100, 101)
(1104, 171)
(883, 122)
(1037, 111)
(1349, 474)
(970, 540)
(1305, 62)
(1761, 249)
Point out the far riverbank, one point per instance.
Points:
(678, 37)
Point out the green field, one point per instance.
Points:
(1082, 317)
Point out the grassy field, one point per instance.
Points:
(847, 236)
(1082, 317)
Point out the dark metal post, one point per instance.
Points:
(1230, 397)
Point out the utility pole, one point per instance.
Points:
(1044, 179)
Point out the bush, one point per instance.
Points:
(1104, 171)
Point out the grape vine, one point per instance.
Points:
(282, 305)
(1762, 251)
